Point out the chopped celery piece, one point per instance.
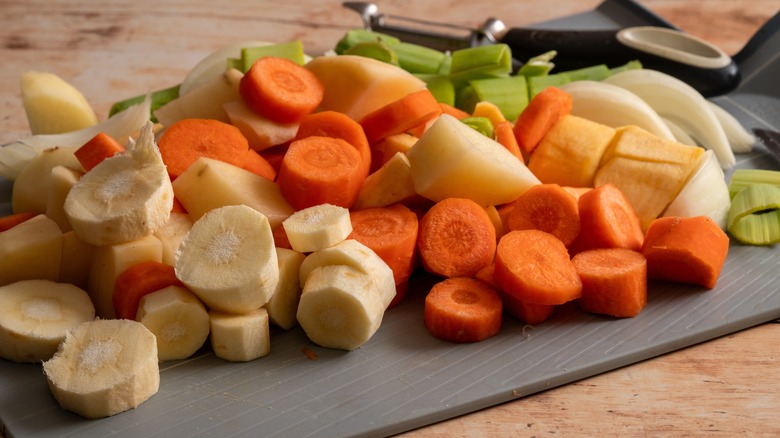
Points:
(374, 49)
(292, 51)
(593, 73)
(483, 125)
(538, 65)
(539, 83)
(440, 86)
(236, 63)
(418, 59)
(446, 65)
(466, 99)
(355, 36)
(480, 62)
(754, 215)
(630, 65)
(742, 178)
(159, 98)
(510, 94)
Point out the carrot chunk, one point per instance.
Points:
(338, 125)
(189, 139)
(255, 163)
(280, 89)
(456, 238)
(528, 313)
(607, 220)
(614, 281)
(408, 112)
(534, 267)
(97, 149)
(462, 309)
(391, 232)
(541, 113)
(689, 250)
(9, 221)
(549, 208)
(320, 170)
(138, 280)
(505, 135)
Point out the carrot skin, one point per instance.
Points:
(541, 113)
(97, 149)
(138, 280)
(607, 220)
(549, 208)
(410, 111)
(614, 281)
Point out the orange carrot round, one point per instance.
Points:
(391, 232)
(9, 221)
(688, 250)
(280, 89)
(528, 313)
(607, 220)
(319, 170)
(408, 112)
(189, 139)
(258, 165)
(456, 238)
(614, 281)
(541, 113)
(546, 207)
(462, 309)
(534, 267)
(338, 125)
(138, 280)
(97, 149)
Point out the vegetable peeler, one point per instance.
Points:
(699, 63)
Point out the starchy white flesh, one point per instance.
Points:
(34, 316)
(228, 259)
(54, 106)
(352, 253)
(31, 250)
(171, 235)
(177, 318)
(123, 198)
(340, 307)
(317, 227)
(61, 180)
(284, 302)
(31, 186)
(104, 367)
(240, 337)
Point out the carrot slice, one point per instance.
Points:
(462, 309)
(546, 207)
(534, 267)
(338, 125)
(189, 139)
(505, 135)
(529, 313)
(408, 112)
(607, 220)
(320, 170)
(280, 237)
(280, 89)
(138, 280)
(255, 163)
(453, 111)
(391, 232)
(541, 113)
(9, 221)
(614, 281)
(456, 238)
(688, 250)
(97, 149)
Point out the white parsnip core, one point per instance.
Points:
(223, 248)
(98, 353)
(42, 309)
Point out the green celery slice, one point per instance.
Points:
(480, 62)
(510, 94)
(593, 73)
(480, 124)
(355, 36)
(440, 86)
(754, 215)
(742, 178)
(539, 65)
(159, 98)
(292, 51)
(374, 49)
(418, 59)
(539, 83)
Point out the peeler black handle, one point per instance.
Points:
(700, 64)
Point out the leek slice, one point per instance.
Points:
(754, 216)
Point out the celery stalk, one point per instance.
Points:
(480, 62)
(538, 65)
(292, 51)
(440, 86)
(539, 83)
(593, 73)
(510, 94)
(159, 98)
(355, 36)
(481, 125)
(754, 215)
(743, 178)
(418, 59)
(630, 65)
(374, 49)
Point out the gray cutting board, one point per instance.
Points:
(403, 378)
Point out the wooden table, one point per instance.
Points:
(725, 387)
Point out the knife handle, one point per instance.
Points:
(700, 64)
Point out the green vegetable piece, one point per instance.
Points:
(754, 215)
(481, 125)
(539, 65)
(593, 73)
(743, 178)
(159, 98)
(292, 51)
(466, 99)
(630, 65)
(418, 59)
(440, 86)
(480, 63)
(236, 63)
(355, 36)
(510, 94)
(446, 65)
(374, 49)
(539, 83)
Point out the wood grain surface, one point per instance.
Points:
(114, 49)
